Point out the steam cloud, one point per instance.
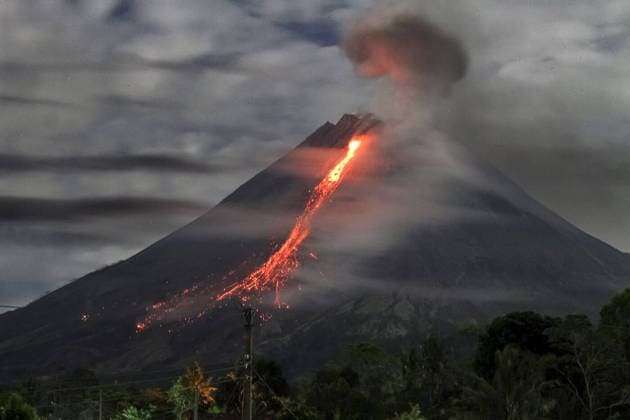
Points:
(410, 50)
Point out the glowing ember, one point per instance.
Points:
(279, 266)
(274, 272)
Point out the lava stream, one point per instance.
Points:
(279, 266)
(270, 275)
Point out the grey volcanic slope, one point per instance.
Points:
(518, 256)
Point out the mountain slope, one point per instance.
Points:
(508, 253)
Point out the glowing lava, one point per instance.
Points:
(274, 272)
(279, 266)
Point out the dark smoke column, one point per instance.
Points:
(410, 50)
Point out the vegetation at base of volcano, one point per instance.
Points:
(524, 366)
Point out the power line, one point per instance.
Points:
(90, 401)
(124, 372)
(124, 383)
(248, 403)
(274, 394)
(233, 393)
(118, 384)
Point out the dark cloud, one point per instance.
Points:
(122, 101)
(15, 68)
(163, 163)
(21, 209)
(25, 101)
(408, 50)
(198, 63)
(43, 235)
(126, 62)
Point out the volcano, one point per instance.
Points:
(486, 249)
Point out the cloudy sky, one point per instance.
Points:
(124, 119)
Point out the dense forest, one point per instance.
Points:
(520, 366)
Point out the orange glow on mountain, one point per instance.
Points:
(276, 270)
(270, 275)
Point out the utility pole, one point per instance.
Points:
(248, 406)
(100, 404)
(196, 407)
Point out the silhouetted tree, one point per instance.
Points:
(589, 368)
(514, 393)
(270, 389)
(335, 393)
(13, 407)
(270, 386)
(525, 330)
(378, 374)
(615, 321)
(428, 379)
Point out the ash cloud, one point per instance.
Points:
(410, 50)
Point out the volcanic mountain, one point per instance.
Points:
(429, 240)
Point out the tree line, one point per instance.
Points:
(525, 366)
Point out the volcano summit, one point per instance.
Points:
(383, 262)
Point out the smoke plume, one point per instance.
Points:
(410, 50)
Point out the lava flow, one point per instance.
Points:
(276, 270)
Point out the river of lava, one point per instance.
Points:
(274, 272)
